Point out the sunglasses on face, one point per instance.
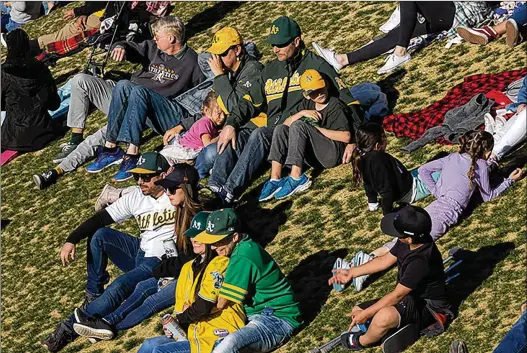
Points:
(171, 190)
(144, 177)
(226, 52)
(280, 46)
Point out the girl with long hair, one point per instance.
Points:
(196, 295)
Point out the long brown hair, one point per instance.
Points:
(476, 144)
(368, 136)
(207, 258)
(183, 215)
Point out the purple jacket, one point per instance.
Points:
(454, 182)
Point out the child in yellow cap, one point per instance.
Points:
(316, 136)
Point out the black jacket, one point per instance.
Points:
(385, 176)
(28, 92)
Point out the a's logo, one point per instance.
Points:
(216, 39)
(274, 29)
(217, 278)
(247, 84)
(309, 78)
(196, 225)
(141, 160)
(220, 332)
(210, 226)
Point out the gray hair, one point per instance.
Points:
(171, 25)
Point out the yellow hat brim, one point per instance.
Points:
(206, 238)
(141, 171)
(218, 48)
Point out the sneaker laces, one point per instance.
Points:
(47, 174)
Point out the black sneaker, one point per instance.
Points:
(46, 179)
(88, 298)
(65, 150)
(92, 327)
(59, 338)
(350, 341)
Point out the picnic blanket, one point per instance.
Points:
(56, 50)
(414, 124)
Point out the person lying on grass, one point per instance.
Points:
(196, 296)
(316, 135)
(419, 296)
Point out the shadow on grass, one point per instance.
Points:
(261, 223)
(387, 87)
(474, 270)
(309, 280)
(4, 223)
(208, 18)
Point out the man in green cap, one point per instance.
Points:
(254, 279)
(135, 256)
(241, 151)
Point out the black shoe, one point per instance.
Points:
(92, 327)
(46, 179)
(350, 341)
(59, 338)
(88, 298)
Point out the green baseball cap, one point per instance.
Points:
(283, 30)
(150, 163)
(198, 224)
(220, 224)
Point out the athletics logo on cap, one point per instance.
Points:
(274, 29)
(141, 160)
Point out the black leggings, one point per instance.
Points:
(439, 16)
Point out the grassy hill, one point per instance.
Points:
(304, 234)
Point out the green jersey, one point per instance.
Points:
(254, 279)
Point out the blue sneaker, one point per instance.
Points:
(104, 160)
(292, 186)
(129, 163)
(270, 188)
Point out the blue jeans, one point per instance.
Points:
(233, 169)
(205, 160)
(134, 107)
(163, 344)
(144, 302)
(515, 341)
(520, 15)
(8, 25)
(263, 333)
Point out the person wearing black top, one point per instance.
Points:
(420, 294)
(317, 134)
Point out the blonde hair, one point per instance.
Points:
(171, 25)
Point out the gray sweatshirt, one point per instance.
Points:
(25, 11)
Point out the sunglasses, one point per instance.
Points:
(171, 190)
(145, 177)
(225, 53)
(280, 46)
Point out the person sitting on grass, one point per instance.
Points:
(185, 148)
(420, 294)
(254, 279)
(196, 296)
(316, 135)
(156, 293)
(512, 29)
(134, 105)
(135, 256)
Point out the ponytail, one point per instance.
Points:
(476, 144)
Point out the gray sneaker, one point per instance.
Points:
(66, 149)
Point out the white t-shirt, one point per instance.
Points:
(155, 218)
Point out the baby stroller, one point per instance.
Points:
(126, 24)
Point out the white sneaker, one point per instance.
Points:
(489, 123)
(360, 259)
(109, 195)
(2, 39)
(393, 62)
(498, 128)
(392, 22)
(328, 55)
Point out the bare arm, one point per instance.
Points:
(389, 299)
(205, 138)
(378, 264)
(340, 136)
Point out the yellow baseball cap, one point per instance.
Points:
(224, 39)
(311, 80)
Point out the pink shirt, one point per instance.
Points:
(192, 138)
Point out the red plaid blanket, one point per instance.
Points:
(414, 124)
(64, 47)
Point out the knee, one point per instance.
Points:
(147, 287)
(227, 345)
(99, 237)
(79, 81)
(139, 91)
(386, 318)
(257, 136)
(280, 130)
(209, 153)
(299, 126)
(123, 85)
(149, 345)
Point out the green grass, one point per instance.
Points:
(304, 234)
